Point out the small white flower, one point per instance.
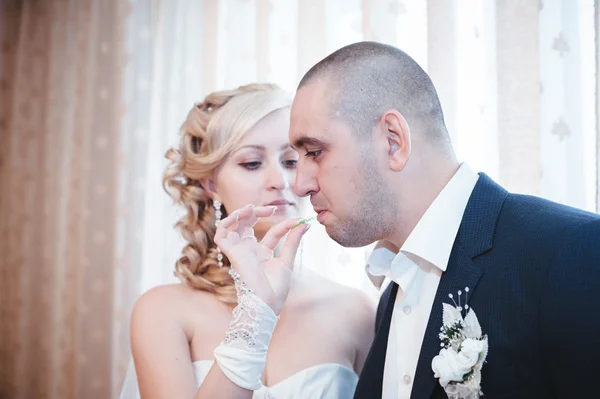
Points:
(450, 365)
(475, 350)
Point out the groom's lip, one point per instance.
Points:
(321, 215)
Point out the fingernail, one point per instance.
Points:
(306, 227)
(274, 209)
(251, 206)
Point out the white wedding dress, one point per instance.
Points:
(323, 381)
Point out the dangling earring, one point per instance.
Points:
(218, 215)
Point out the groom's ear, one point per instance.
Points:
(398, 139)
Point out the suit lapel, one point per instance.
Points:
(460, 273)
(370, 383)
(474, 237)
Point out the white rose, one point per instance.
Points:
(452, 366)
(475, 350)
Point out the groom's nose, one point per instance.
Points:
(305, 182)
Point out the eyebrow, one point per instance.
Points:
(306, 141)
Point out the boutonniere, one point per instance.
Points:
(464, 349)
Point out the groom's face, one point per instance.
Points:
(337, 170)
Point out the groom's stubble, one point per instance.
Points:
(374, 210)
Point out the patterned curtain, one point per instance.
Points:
(60, 126)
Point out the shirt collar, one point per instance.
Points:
(433, 237)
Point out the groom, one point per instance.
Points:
(378, 165)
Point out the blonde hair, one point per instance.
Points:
(211, 131)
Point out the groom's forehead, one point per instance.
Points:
(321, 132)
(307, 127)
(315, 97)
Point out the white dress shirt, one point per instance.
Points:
(417, 269)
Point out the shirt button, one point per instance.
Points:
(407, 309)
(406, 379)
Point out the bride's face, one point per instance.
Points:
(262, 171)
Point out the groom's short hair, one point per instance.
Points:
(369, 78)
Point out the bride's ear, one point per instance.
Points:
(210, 187)
(397, 134)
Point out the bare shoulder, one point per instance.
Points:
(162, 301)
(172, 304)
(357, 303)
(352, 304)
(164, 323)
(350, 308)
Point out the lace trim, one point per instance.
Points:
(252, 322)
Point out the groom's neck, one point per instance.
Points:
(423, 181)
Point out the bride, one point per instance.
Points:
(187, 339)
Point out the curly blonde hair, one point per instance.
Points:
(212, 130)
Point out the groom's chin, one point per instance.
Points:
(347, 238)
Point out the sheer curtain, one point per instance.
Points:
(93, 93)
(514, 77)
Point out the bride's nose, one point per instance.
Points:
(275, 178)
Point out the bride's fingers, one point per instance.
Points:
(244, 214)
(290, 246)
(229, 221)
(226, 233)
(257, 213)
(264, 211)
(221, 238)
(245, 227)
(276, 233)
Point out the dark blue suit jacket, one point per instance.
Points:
(533, 267)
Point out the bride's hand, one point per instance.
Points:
(267, 276)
